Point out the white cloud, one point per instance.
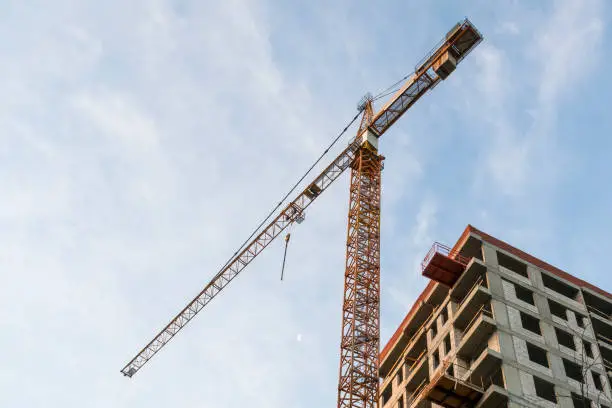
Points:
(522, 153)
(118, 117)
(566, 48)
(139, 149)
(509, 27)
(139, 143)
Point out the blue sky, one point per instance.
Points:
(142, 142)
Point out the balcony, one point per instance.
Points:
(417, 373)
(606, 356)
(495, 396)
(413, 325)
(603, 331)
(415, 350)
(446, 390)
(474, 272)
(482, 367)
(481, 387)
(476, 333)
(443, 265)
(417, 346)
(471, 304)
(598, 306)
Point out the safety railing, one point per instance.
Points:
(483, 311)
(446, 251)
(607, 364)
(603, 338)
(404, 355)
(479, 282)
(480, 383)
(416, 394)
(598, 312)
(415, 363)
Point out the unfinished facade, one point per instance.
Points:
(496, 327)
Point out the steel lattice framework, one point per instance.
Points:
(291, 213)
(359, 346)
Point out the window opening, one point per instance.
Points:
(435, 359)
(386, 395)
(560, 287)
(565, 339)
(557, 309)
(580, 402)
(444, 316)
(512, 264)
(573, 370)
(530, 323)
(580, 320)
(544, 389)
(447, 344)
(597, 381)
(537, 355)
(400, 375)
(524, 294)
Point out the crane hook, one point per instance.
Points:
(287, 238)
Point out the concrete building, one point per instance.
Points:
(497, 327)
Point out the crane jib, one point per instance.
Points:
(434, 67)
(291, 213)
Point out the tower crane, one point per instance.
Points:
(360, 336)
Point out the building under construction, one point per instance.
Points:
(497, 327)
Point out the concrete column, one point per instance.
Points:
(495, 285)
(556, 365)
(500, 312)
(535, 276)
(548, 332)
(512, 379)
(490, 255)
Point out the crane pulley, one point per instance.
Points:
(360, 337)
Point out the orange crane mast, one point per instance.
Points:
(360, 337)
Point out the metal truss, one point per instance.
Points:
(293, 212)
(359, 346)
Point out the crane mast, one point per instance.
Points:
(360, 336)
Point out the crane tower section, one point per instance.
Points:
(360, 338)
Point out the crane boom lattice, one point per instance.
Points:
(360, 338)
(291, 213)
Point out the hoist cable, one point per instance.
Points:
(287, 238)
(246, 241)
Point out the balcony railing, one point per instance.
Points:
(483, 311)
(415, 363)
(443, 264)
(607, 364)
(444, 250)
(417, 393)
(598, 312)
(479, 282)
(445, 379)
(606, 340)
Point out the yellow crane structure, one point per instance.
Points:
(360, 336)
